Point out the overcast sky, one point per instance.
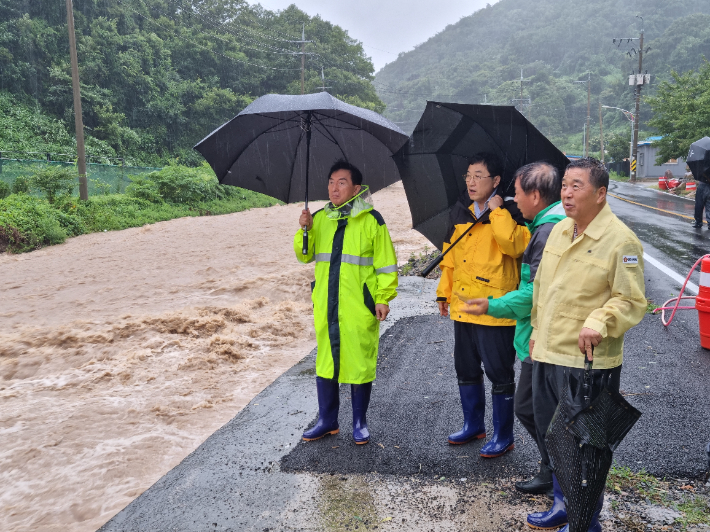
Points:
(385, 27)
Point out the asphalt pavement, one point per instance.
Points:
(255, 473)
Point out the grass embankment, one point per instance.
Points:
(40, 213)
(686, 497)
(614, 176)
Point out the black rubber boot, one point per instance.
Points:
(539, 484)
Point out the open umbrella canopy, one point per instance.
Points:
(264, 148)
(436, 157)
(699, 159)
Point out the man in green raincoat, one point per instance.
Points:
(356, 278)
(537, 194)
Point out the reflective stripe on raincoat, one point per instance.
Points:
(356, 268)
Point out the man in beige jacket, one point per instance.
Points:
(588, 291)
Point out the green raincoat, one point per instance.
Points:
(356, 268)
(516, 305)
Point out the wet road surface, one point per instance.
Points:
(255, 474)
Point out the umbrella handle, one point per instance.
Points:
(430, 267)
(305, 240)
(434, 263)
(587, 386)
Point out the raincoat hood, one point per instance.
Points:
(361, 202)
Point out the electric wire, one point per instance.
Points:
(203, 46)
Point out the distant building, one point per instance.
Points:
(647, 167)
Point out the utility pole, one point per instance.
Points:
(78, 122)
(637, 80)
(303, 55)
(589, 123)
(322, 77)
(522, 100)
(635, 140)
(601, 132)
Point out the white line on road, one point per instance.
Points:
(692, 287)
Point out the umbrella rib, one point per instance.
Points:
(293, 164)
(327, 134)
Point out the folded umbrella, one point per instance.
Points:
(436, 157)
(581, 441)
(699, 159)
(283, 146)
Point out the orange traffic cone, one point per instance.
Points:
(702, 303)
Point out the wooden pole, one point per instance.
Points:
(589, 123)
(635, 139)
(601, 131)
(303, 60)
(78, 122)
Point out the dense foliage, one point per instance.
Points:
(158, 75)
(29, 222)
(681, 110)
(555, 43)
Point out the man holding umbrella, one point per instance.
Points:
(484, 263)
(537, 195)
(589, 290)
(356, 278)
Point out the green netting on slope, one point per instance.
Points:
(103, 178)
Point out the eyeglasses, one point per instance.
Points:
(478, 178)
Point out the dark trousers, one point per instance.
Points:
(524, 399)
(490, 345)
(547, 383)
(702, 201)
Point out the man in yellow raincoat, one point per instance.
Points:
(486, 262)
(356, 278)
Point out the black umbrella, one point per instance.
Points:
(699, 159)
(264, 148)
(581, 441)
(436, 157)
(283, 146)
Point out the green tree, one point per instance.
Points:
(54, 181)
(617, 145)
(681, 110)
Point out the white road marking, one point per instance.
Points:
(691, 287)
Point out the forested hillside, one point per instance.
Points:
(158, 75)
(555, 42)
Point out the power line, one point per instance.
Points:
(273, 50)
(203, 46)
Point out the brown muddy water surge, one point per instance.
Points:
(121, 352)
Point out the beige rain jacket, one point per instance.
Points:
(596, 282)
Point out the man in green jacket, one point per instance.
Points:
(537, 194)
(356, 278)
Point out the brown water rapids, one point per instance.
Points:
(121, 352)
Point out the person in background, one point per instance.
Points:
(702, 202)
(589, 290)
(356, 278)
(484, 263)
(537, 194)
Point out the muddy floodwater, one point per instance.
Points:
(121, 352)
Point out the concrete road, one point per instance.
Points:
(255, 473)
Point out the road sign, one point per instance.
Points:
(633, 165)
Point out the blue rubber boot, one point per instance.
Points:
(595, 526)
(328, 406)
(473, 403)
(360, 394)
(553, 518)
(502, 440)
